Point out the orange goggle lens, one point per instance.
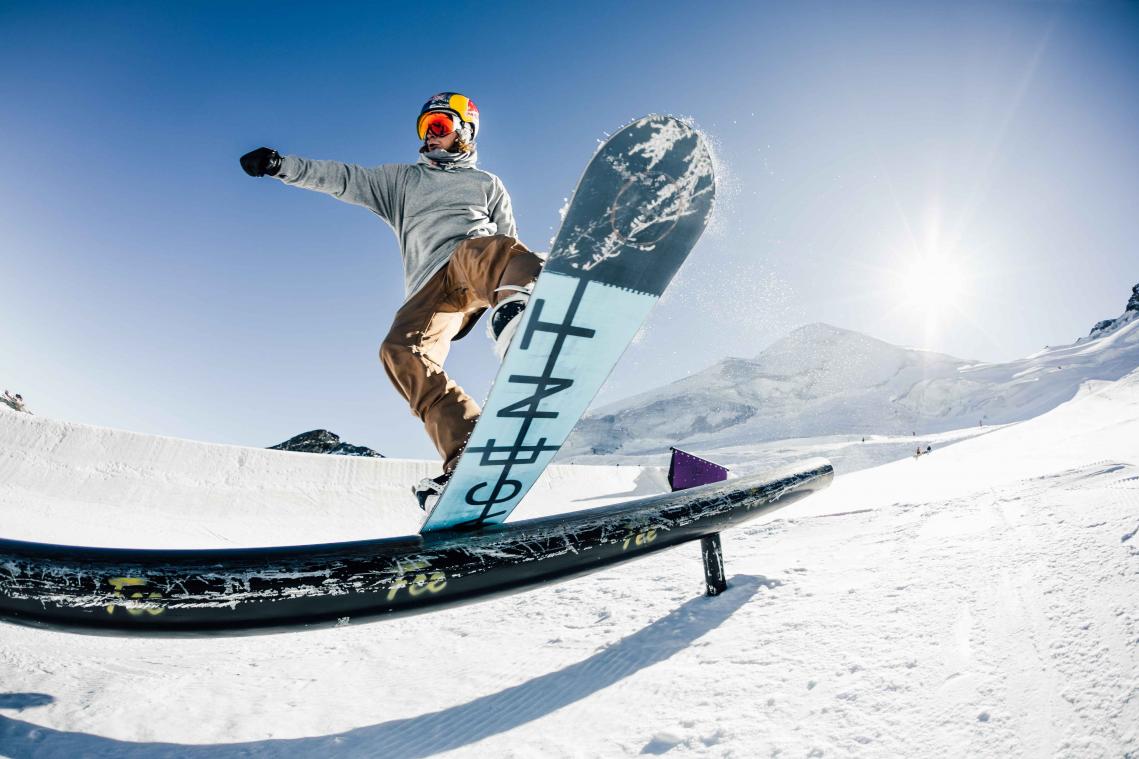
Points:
(437, 123)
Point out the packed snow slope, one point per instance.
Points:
(82, 485)
(823, 380)
(979, 601)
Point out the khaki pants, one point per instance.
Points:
(443, 310)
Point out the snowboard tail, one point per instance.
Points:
(638, 210)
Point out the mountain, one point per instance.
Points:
(1107, 326)
(323, 441)
(823, 380)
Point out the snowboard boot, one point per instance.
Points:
(428, 490)
(504, 318)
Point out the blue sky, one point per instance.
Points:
(146, 283)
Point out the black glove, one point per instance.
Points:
(262, 161)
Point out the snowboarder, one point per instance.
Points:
(461, 256)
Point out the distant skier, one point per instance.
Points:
(461, 256)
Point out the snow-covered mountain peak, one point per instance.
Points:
(818, 337)
(849, 356)
(823, 380)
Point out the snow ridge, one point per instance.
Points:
(823, 380)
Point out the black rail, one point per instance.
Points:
(255, 590)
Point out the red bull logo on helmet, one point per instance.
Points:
(472, 113)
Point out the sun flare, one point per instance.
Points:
(931, 282)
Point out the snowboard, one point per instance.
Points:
(637, 212)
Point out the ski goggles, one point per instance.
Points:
(437, 124)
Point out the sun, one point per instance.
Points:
(931, 282)
(931, 287)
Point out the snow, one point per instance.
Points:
(1095, 429)
(978, 601)
(79, 485)
(821, 380)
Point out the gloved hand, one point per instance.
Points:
(262, 161)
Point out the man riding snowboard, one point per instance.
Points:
(460, 255)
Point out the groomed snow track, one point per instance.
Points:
(255, 590)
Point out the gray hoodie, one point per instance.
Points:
(431, 206)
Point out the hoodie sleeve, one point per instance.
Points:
(375, 188)
(500, 211)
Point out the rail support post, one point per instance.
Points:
(714, 579)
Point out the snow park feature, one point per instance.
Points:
(160, 592)
(688, 471)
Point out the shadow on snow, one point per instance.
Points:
(429, 733)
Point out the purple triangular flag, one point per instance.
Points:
(688, 471)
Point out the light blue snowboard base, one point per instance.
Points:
(640, 207)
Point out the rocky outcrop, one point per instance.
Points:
(323, 441)
(1107, 325)
(1101, 326)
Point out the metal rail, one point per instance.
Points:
(256, 590)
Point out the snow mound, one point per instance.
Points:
(1101, 424)
(83, 485)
